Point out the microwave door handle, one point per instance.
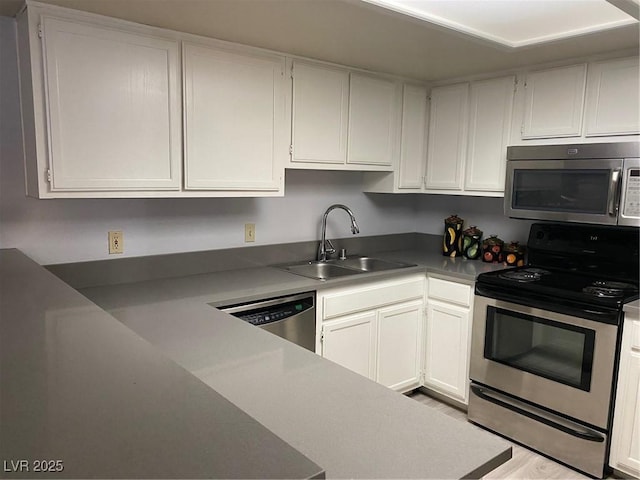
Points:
(614, 192)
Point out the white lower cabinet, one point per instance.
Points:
(383, 331)
(625, 442)
(446, 363)
(399, 345)
(375, 329)
(351, 342)
(448, 334)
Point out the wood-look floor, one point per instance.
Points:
(525, 464)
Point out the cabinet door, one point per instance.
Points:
(447, 350)
(625, 443)
(235, 133)
(320, 113)
(351, 342)
(373, 120)
(491, 106)
(613, 98)
(113, 108)
(400, 345)
(447, 145)
(413, 138)
(554, 102)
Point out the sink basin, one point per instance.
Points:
(320, 270)
(341, 268)
(370, 264)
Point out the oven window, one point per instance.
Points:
(576, 191)
(550, 349)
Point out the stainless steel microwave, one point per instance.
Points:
(588, 183)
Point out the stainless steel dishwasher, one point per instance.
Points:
(292, 317)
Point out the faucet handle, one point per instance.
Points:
(329, 247)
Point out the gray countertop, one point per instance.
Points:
(351, 426)
(203, 394)
(80, 388)
(247, 284)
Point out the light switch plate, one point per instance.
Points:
(249, 232)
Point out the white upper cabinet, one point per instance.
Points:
(469, 130)
(490, 115)
(408, 173)
(613, 98)
(447, 146)
(234, 110)
(342, 120)
(106, 108)
(554, 101)
(579, 102)
(373, 120)
(413, 138)
(320, 113)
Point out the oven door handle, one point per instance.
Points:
(541, 416)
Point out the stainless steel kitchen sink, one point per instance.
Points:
(320, 270)
(341, 268)
(371, 264)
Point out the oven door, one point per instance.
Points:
(564, 190)
(560, 362)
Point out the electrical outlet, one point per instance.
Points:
(116, 242)
(249, 232)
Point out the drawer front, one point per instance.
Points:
(374, 295)
(452, 292)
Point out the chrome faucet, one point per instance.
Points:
(326, 247)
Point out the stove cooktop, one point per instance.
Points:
(562, 284)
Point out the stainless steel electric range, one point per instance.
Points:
(546, 338)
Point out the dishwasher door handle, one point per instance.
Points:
(261, 304)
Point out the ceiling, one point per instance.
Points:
(517, 24)
(349, 32)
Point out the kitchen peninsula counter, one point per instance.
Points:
(114, 396)
(85, 397)
(351, 426)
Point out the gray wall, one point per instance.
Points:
(72, 230)
(484, 212)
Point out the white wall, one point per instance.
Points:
(70, 230)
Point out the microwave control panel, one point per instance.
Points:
(631, 207)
